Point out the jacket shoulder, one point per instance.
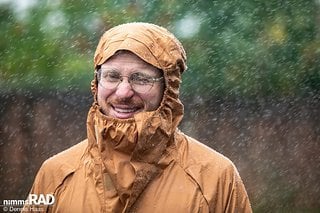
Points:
(68, 158)
(55, 169)
(214, 174)
(194, 153)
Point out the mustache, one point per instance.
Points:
(125, 101)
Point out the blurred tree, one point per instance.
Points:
(253, 48)
(249, 48)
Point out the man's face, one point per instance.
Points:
(123, 101)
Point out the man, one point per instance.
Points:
(135, 159)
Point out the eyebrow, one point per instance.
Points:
(156, 73)
(109, 70)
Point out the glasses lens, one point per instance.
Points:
(141, 88)
(140, 82)
(109, 79)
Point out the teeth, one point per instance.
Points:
(124, 110)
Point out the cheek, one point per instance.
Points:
(153, 99)
(102, 94)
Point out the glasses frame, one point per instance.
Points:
(154, 79)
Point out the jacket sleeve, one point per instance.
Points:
(238, 199)
(235, 197)
(52, 174)
(40, 187)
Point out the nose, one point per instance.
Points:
(124, 89)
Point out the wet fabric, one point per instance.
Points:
(141, 164)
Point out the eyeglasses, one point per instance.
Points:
(139, 82)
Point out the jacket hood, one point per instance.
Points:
(131, 149)
(156, 46)
(152, 43)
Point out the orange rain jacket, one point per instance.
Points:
(143, 164)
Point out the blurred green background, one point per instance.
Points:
(253, 71)
(237, 47)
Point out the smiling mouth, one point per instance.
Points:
(124, 112)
